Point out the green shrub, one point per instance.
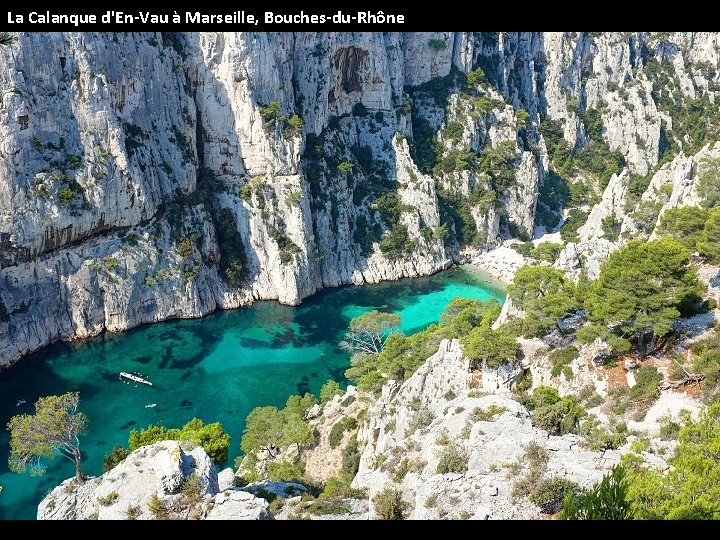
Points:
(437, 44)
(523, 248)
(284, 471)
(597, 438)
(422, 418)
(452, 459)
(277, 505)
(546, 251)
(339, 429)
(553, 197)
(487, 415)
(191, 489)
(296, 123)
(535, 455)
(67, 195)
(157, 508)
(706, 361)
(405, 467)
(329, 390)
(340, 487)
(389, 504)
(561, 358)
(271, 111)
(132, 512)
(475, 77)
(551, 492)
(232, 250)
(576, 219)
(453, 131)
(108, 499)
(325, 507)
(611, 227)
(351, 458)
(115, 456)
(397, 243)
(607, 500)
(555, 415)
(684, 224)
(345, 167)
(211, 437)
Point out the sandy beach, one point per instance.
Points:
(501, 263)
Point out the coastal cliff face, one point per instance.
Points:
(152, 176)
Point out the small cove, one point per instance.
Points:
(217, 368)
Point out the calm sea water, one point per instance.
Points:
(217, 368)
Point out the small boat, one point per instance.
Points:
(20, 402)
(150, 405)
(133, 377)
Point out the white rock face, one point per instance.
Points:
(155, 471)
(610, 205)
(417, 421)
(238, 505)
(128, 162)
(91, 146)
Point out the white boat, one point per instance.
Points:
(133, 377)
(150, 405)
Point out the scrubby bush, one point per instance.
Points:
(389, 504)
(551, 492)
(452, 459)
(338, 430)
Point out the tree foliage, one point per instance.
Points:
(639, 290)
(486, 347)
(684, 224)
(400, 357)
(6, 39)
(369, 331)
(211, 437)
(691, 488)
(708, 183)
(709, 245)
(554, 414)
(463, 314)
(54, 429)
(544, 294)
(329, 390)
(607, 500)
(114, 456)
(268, 428)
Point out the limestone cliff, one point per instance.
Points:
(151, 176)
(457, 445)
(160, 481)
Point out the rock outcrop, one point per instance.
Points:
(160, 481)
(449, 442)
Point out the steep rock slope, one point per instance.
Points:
(458, 447)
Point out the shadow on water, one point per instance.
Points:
(303, 386)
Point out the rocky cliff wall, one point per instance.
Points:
(151, 176)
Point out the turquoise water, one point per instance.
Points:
(217, 368)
